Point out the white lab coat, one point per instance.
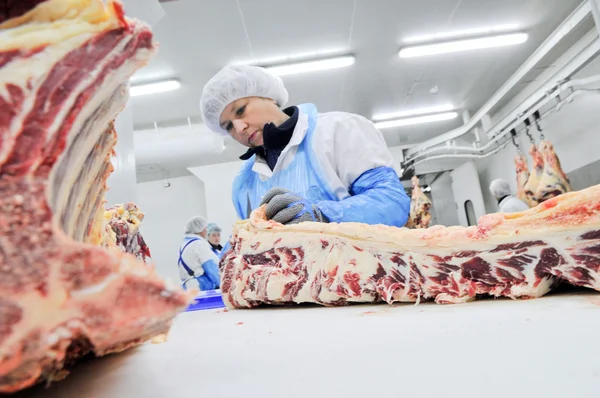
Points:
(195, 255)
(512, 204)
(346, 145)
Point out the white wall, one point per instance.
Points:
(574, 132)
(167, 211)
(217, 179)
(465, 186)
(121, 181)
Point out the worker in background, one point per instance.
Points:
(305, 165)
(214, 238)
(197, 262)
(507, 202)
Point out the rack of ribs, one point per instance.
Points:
(64, 68)
(516, 255)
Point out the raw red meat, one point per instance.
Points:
(518, 255)
(59, 296)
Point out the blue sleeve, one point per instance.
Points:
(211, 271)
(378, 197)
(210, 280)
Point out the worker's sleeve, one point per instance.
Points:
(364, 165)
(208, 260)
(225, 249)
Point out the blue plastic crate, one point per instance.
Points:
(207, 300)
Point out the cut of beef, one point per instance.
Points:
(534, 178)
(62, 81)
(518, 255)
(419, 216)
(553, 181)
(122, 230)
(522, 177)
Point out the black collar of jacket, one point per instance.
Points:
(276, 137)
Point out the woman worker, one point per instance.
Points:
(214, 238)
(305, 165)
(197, 263)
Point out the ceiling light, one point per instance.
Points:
(463, 33)
(463, 45)
(414, 112)
(152, 88)
(292, 58)
(417, 120)
(311, 66)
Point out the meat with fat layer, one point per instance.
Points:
(534, 178)
(522, 177)
(64, 66)
(419, 216)
(122, 230)
(516, 255)
(553, 181)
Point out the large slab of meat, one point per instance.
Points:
(64, 66)
(518, 255)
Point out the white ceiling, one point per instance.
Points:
(198, 37)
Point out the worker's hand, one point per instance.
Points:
(286, 207)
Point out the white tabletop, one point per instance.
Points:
(546, 347)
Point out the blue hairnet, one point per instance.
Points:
(500, 188)
(234, 82)
(213, 228)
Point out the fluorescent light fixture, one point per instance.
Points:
(417, 120)
(293, 58)
(490, 30)
(463, 45)
(311, 66)
(414, 112)
(152, 88)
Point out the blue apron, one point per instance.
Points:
(303, 175)
(183, 264)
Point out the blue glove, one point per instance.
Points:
(285, 207)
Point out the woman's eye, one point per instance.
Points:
(229, 126)
(240, 111)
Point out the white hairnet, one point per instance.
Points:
(500, 188)
(195, 225)
(234, 82)
(213, 228)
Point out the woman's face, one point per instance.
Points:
(215, 238)
(245, 118)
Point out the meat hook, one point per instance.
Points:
(513, 134)
(537, 118)
(527, 127)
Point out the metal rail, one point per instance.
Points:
(587, 7)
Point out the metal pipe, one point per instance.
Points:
(595, 5)
(499, 146)
(545, 93)
(565, 28)
(544, 101)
